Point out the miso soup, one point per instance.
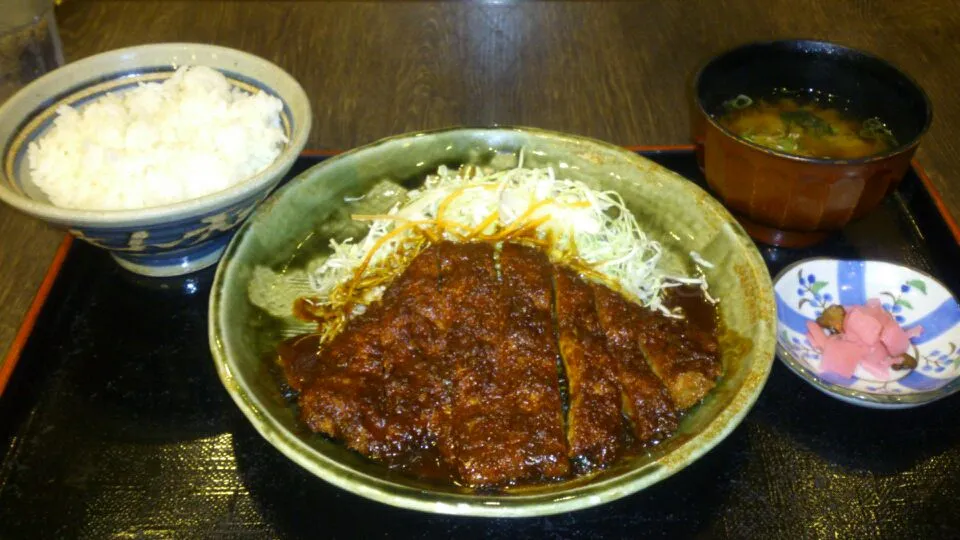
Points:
(806, 127)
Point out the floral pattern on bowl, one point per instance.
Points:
(804, 289)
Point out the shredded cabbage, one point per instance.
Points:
(575, 225)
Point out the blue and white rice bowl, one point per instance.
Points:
(804, 289)
(168, 240)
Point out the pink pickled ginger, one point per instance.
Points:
(871, 338)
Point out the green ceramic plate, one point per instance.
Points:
(295, 225)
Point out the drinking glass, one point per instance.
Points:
(29, 43)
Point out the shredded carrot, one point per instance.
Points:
(494, 216)
(449, 225)
(505, 232)
(515, 224)
(366, 259)
(521, 228)
(429, 233)
(531, 226)
(442, 207)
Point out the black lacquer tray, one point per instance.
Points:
(114, 424)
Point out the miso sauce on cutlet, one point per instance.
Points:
(697, 310)
(301, 363)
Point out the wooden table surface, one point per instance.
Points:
(615, 71)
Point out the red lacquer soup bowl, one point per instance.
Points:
(790, 200)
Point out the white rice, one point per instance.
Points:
(157, 144)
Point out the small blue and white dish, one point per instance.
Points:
(160, 241)
(804, 289)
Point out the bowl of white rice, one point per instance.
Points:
(155, 153)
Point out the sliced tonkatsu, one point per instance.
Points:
(415, 365)
(594, 424)
(645, 400)
(473, 309)
(491, 366)
(686, 358)
(379, 384)
(506, 416)
(527, 424)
